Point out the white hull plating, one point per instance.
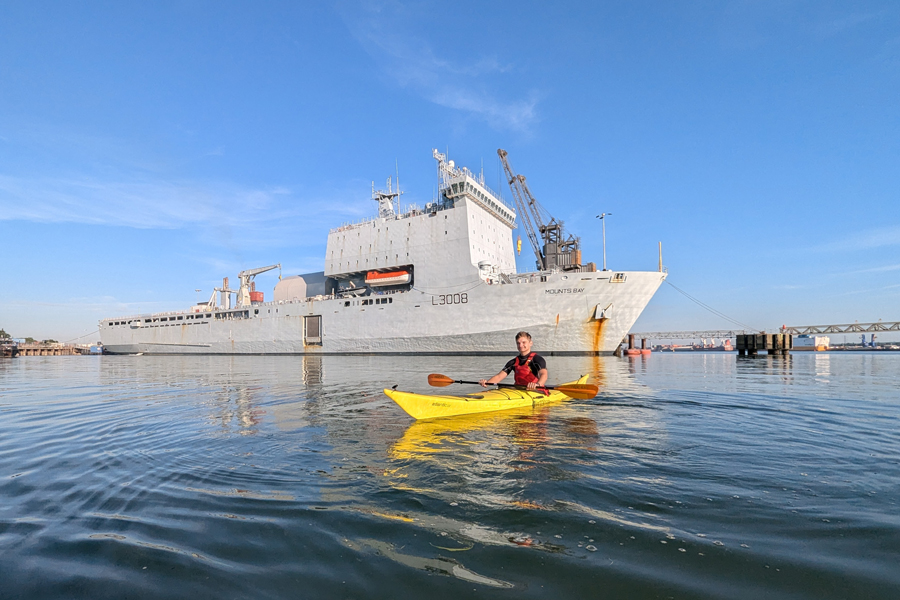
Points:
(566, 313)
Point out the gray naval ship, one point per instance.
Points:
(439, 279)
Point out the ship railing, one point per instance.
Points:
(412, 210)
(498, 197)
(480, 181)
(163, 314)
(513, 278)
(352, 224)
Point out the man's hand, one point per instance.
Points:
(532, 385)
(482, 382)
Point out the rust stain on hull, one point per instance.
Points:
(595, 331)
(596, 327)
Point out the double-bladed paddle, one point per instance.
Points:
(579, 391)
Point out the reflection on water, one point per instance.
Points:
(234, 407)
(312, 370)
(823, 366)
(698, 475)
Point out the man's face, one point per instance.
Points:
(524, 345)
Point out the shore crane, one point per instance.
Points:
(557, 251)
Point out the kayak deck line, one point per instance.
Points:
(431, 406)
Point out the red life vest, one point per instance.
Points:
(523, 372)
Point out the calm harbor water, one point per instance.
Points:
(689, 476)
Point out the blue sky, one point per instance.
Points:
(149, 150)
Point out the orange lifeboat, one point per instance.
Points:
(376, 279)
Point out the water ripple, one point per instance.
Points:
(698, 476)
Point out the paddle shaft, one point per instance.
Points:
(508, 385)
(580, 391)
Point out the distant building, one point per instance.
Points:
(817, 343)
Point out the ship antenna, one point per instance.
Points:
(397, 167)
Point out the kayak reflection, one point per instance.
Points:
(486, 459)
(426, 440)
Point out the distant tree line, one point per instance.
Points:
(28, 340)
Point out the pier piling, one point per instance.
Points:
(776, 344)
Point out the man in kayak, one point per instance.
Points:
(530, 368)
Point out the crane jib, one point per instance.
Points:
(557, 250)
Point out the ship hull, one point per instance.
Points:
(566, 313)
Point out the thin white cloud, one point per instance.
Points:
(386, 32)
(272, 215)
(883, 269)
(789, 287)
(864, 240)
(113, 183)
(868, 291)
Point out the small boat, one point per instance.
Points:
(374, 278)
(430, 406)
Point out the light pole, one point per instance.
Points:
(602, 216)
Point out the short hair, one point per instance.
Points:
(523, 334)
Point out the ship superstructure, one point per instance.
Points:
(436, 279)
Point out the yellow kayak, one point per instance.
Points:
(429, 406)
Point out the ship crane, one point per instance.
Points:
(557, 250)
(242, 294)
(246, 277)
